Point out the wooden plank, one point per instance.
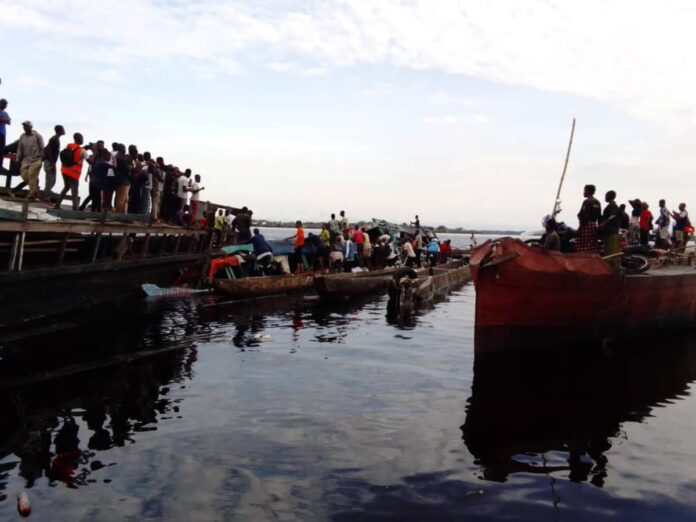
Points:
(95, 250)
(176, 245)
(22, 236)
(94, 216)
(13, 255)
(61, 250)
(146, 246)
(86, 227)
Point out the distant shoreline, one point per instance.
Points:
(438, 230)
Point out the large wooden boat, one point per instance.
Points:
(531, 300)
(250, 287)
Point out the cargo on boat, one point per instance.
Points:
(531, 300)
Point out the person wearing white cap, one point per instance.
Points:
(29, 156)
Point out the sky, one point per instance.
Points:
(459, 111)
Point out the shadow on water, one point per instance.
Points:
(561, 415)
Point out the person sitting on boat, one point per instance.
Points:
(433, 251)
(646, 219)
(610, 224)
(551, 240)
(262, 251)
(590, 213)
(682, 221)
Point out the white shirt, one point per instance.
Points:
(408, 249)
(182, 185)
(228, 219)
(195, 193)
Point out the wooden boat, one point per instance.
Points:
(249, 287)
(407, 294)
(530, 300)
(353, 284)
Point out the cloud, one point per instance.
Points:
(633, 55)
(447, 119)
(378, 90)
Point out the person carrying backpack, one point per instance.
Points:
(71, 158)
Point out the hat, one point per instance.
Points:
(635, 201)
(27, 122)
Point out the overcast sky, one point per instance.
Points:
(457, 111)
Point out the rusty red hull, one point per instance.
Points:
(531, 300)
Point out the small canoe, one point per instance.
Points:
(249, 287)
(175, 291)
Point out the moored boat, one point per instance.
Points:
(250, 287)
(353, 284)
(529, 300)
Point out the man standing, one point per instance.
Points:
(182, 188)
(122, 179)
(334, 229)
(418, 247)
(50, 159)
(344, 223)
(634, 222)
(663, 222)
(158, 178)
(359, 240)
(4, 120)
(645, 223)
(195, 190)
(29, 154)
(72, 169)
(590, 213)
(610, 223)
(682, 221)
(242, 222)
(91, 160)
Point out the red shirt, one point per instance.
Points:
(358, 237)
(445, 248)
(644, 220)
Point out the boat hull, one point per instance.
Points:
(351, 285)
(250, 287)
(529, 300)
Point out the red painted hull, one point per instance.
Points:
(528, 299)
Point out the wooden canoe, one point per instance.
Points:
(353, 284)
(249, 287)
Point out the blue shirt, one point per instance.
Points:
(3, 130)
(433, 247)
(260, 245)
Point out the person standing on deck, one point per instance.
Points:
(359, 239)
(29, 155)
(4, 121)
(122, 179)
(95, 156)
(623, 218)
(157, 187)
(182, 188)
(682, 221)
(472, 241)
(418, 247)
(299, 239)
(195, 196)
(409, 253)
(367, 249)
(242, 223)
(645, 223)
(445, 250)
(50, 159)
(71, 172)
(663, 222)
(334, 229)
(102, 170)
(610, 224)
(416, 222)
(590, 213)
(634, 222)
(325, 237)
(344, 223)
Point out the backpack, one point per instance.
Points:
(67, 157)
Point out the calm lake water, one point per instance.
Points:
(205, 409)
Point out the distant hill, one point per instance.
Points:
(439, 229)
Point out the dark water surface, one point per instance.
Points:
(184, 410)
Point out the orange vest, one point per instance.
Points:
(75, 171)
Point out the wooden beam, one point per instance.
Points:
(176, 245)
(21, 251)
(13, 255)
(61, 249)
(146, 246)
(95, 250)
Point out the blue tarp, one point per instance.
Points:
(235, 249)
(281, 248)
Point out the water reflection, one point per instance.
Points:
(566, 416)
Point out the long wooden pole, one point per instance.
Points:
(556, 203)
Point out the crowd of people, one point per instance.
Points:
(616, 228)
(121, 180)
(340, 246)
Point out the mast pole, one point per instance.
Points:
(557, 202)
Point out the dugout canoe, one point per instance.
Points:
(408, 293)
(353, 284)
(529, 300)
(250, 287)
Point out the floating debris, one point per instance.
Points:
(23, 504)
(262, 337)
